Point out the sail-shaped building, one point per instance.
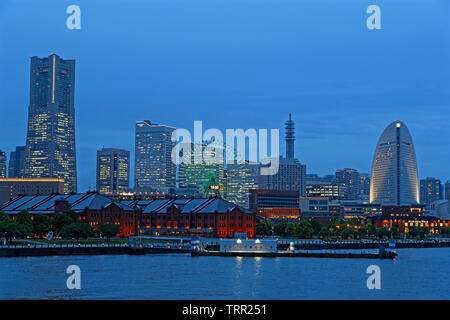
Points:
(394, 179)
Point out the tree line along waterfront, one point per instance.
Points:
(64, 225)
(338, 229)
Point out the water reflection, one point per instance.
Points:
(238, 264)
(258, 263)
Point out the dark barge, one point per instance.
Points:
(333, 255)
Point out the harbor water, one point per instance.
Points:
(415, 274)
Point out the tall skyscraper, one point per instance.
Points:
(113, 170)
(50, 149)
(290, 137)
(394, 178)
(431, 190)
(16, 168)
(349, 178)
(2, 164)
(154, 168)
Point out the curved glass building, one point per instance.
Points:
(394, 178)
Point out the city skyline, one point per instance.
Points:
(287, 149)
(339, 110)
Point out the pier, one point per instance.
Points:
(307, 254)
(88, 249)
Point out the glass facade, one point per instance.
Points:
(154, 168)
(16, 168)
(113, 170)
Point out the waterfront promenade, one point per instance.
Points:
(34, 248)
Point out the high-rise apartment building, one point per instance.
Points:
(16, 168)
(431, 190)
(113, 170)
(349, 178)
(50, 148)
(154, 168)
(394, 179)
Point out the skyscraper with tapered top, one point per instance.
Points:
(50, 147)
(394, 179)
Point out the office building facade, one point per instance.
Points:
(331, 191)
(364, 186)
(276, 205)
(154, 168)
(431, 190)
(240, 179)
(349, 178)
(290, 177)
(16, 168)
(113, 171)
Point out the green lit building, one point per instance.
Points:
(206, 173)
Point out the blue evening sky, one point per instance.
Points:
(240, 64)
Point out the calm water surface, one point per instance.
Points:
(416, 274)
